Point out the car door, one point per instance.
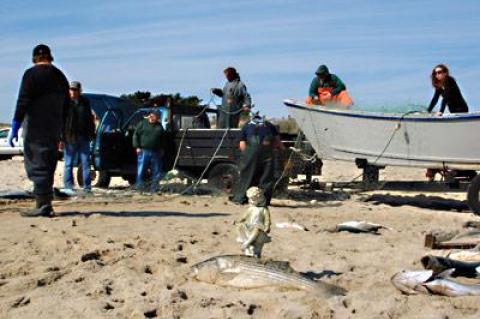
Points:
(108, 144)
(5, 148)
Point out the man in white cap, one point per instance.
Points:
(149, 141)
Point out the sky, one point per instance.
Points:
(384, 51)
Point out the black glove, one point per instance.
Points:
(218, 92)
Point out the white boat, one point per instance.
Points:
(385, 139)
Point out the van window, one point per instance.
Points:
(187, 121)
(4, 133)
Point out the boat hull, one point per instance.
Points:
(416, 140)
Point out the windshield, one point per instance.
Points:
(4, 133)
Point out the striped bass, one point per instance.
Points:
(448, 287)
(248, 272)
(425, 281)
(410, 282)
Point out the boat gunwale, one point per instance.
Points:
(458, 117)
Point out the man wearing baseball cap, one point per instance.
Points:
(79, 132)
(149, 141)
(42, 100)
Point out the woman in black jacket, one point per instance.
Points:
(446, 86)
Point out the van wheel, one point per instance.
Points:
(473, 195)
(224, 177)
(131, 179)
(103, 180)
(100, 179)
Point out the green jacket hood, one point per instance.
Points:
(322, 69)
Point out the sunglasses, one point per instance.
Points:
(439, 71)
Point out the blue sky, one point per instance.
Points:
(383, 50)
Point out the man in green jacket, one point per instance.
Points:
(148, 139)
(327, 89)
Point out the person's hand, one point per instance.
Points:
(216, 91)
(14, 132)
(61, 146)
(309, 100)
(139, 150)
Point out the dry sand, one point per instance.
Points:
(140, 250)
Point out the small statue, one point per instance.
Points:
(254, 226)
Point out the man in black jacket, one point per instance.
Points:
(79, 132)
(41, 105)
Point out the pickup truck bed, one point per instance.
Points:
(114, 155)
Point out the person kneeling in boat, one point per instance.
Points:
(447, 87)
(327, 89)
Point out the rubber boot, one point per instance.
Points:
(43, 208)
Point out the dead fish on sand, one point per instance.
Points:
(291, 225)
(468, 255)
(248, 272)
(410, 282)
(425, 281)
(439, 264)
(451, 288)
(358, 227)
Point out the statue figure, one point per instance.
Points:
(254, 225)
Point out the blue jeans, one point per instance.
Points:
(71, 154)
(148, 159)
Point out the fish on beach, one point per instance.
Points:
(410, 282)
(425, 281)
(359, 227)
(248, 272)
(451, 288)
(291, 225)
(466, 255)
(439, 264)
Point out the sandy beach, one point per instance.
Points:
(129, 256)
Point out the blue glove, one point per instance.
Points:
(14, 133)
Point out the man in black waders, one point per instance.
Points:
(41, 105)
(258, 140)
(235, 99)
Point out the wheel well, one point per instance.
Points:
(215, 163)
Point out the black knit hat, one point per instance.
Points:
(43, 51)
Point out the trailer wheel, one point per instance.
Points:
(224, 177)
(370, 176)
(473, 195)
